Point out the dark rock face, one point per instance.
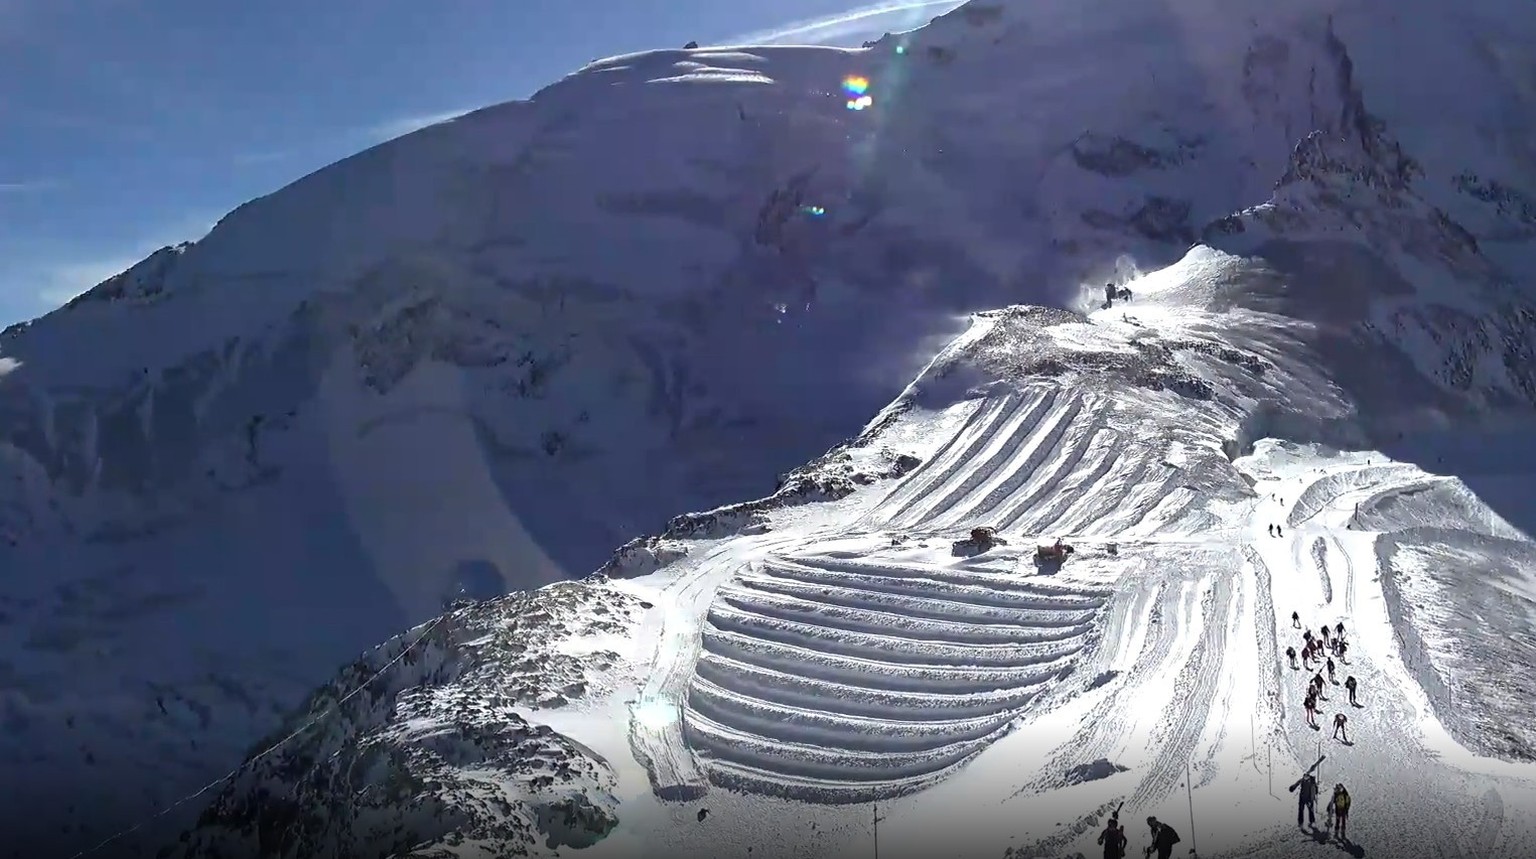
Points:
(403, 738)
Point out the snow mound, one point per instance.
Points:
(1093, 771)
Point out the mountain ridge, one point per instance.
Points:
(420, 349)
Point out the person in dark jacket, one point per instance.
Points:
(1349, 684)
(1163, 839)
(1306, 800)
(1114, 840)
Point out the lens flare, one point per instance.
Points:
(656, 714)
(857, 87)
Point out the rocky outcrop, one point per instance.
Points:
(144, 281)
(423, 745)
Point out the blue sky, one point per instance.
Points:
(126, 125)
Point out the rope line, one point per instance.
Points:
(335, 707)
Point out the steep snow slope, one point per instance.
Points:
(815, 658)
(476, 358)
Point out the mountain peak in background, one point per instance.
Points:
(863, 286)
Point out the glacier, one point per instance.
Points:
(459, 369)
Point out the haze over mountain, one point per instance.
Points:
(480, 358)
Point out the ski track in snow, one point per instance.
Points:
(838, 665)
(656, 728)
(1194, 687)
(1387, 724)
(1320, 561)
(853, 680)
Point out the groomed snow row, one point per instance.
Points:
(848, 680)
(1025, 461)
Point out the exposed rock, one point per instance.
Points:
(419, 746)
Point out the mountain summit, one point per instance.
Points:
(865, 287)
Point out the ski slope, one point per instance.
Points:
(560, 343)
(860, 652)
(798, 665)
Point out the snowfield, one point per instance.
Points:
(860, 655)
(847, 305)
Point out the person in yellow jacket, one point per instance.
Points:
(1338, 811)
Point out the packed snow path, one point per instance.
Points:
(1330, 573)
(860, 657)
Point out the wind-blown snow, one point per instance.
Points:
(477, 359)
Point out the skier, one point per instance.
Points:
(1307, 634)
(1349, 684)
(1109, 295)
(1295, 615)
(1306, 800)
(1279, 532)
(1290, 653)
(1317, 683)
(1340, 805)
(1343, 649)
(1114, 840)
(1329, 663)
(1309, 703)
(1324, 633)
(1163, 838)
(1338, 726)
(1339, 630)
(1271, 529)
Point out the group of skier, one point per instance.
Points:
(1317, 656)
(1336, 813)
(1114, 839)
(1316, 651)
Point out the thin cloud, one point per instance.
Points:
(246, 158)
(335, 141)
(402, 126)
(26, 187)
(63, 281)
(843, 25)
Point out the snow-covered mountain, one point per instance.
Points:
(476, 359)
